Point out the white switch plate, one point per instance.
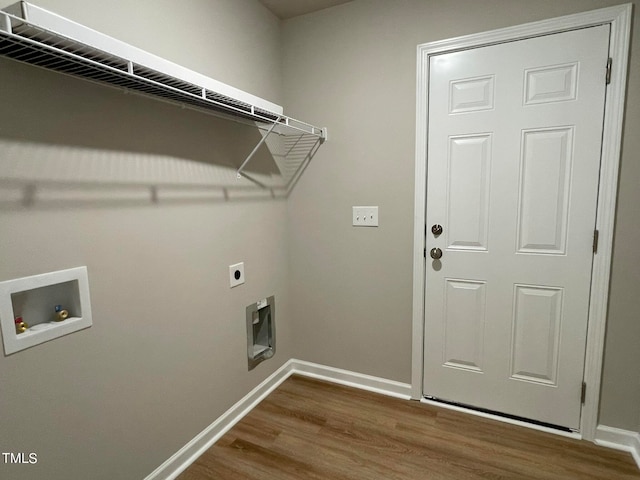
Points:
(365, 216)
(236, 274)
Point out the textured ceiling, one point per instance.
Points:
(292, 8)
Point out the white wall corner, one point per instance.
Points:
(619, 439)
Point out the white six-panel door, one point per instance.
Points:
(514, 148)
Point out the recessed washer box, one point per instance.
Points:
(35, 298)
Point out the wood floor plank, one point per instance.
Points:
(309, 429)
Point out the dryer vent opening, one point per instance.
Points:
(261, 331)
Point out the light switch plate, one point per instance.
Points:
(236, 274)
(365, 216)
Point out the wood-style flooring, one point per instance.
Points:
(308, 429)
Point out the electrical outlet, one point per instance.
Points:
(365, 216)
(236, 274)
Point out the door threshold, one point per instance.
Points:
(503, 417)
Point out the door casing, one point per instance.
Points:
(619, 17)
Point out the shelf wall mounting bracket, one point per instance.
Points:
(255, 149)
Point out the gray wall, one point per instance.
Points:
(167, 351)
(352, 68)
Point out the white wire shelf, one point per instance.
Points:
(35, 36)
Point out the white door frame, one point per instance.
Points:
(619, 17)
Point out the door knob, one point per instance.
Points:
(436, 229)
(435, 253)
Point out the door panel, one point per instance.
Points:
(543, 196)
(464, 318)
(471, 94)
(468, 192)
(536, 334)
(551, 84)
(513, 159)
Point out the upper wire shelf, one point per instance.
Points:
(32, 35)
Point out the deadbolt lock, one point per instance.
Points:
(436, 253)
(436, 229)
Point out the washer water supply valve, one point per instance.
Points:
(21, 326)
(60, 314)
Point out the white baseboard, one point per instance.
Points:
(184, 457)
(352, 379)
(620, 440)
